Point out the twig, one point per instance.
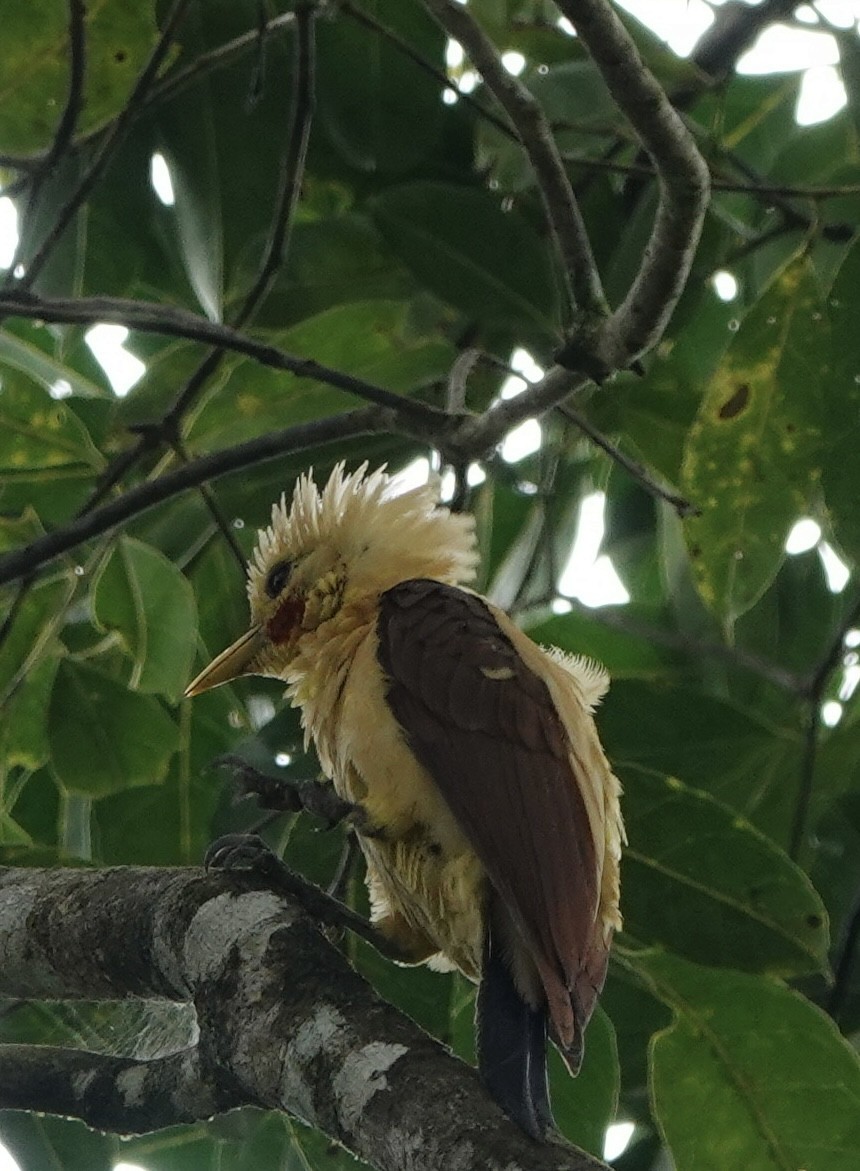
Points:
(407, 50)
(149, 317)
(292, 171)
(107, 149)
(214, 509)
(717, 184)
(640, 474)
(535, 135)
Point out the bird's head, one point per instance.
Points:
(339, 546)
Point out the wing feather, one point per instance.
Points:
(485, 727)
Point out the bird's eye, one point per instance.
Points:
(278, 577)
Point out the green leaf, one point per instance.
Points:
(752, 453)
(23, 718)
(36, 431)
(706, 742)
(374, 340)
(330, 259)
(28, 659)
(19, 354)
(703, 882)
(359, 74)
(842, 401)
(37, 1142)
(34, 65)
(144, 597)
(190, 149)
(622, 653)
(750, 1074)
(104, 738)
(485, 261)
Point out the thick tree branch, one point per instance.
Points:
(535, 136)
(599, 348)
(284, 1021)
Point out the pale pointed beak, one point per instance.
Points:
(236, 660)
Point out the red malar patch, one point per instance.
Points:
(285, 620)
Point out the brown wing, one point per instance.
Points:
(485, 727)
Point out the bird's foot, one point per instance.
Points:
(248, 854)
(285, 795)
(244, 853)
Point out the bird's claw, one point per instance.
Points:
(238, 852)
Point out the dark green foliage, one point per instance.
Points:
(418, 233)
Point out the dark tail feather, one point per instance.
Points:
(511, 1044)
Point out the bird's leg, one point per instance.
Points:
(284, 795)
(248, 853)
(511, 1045)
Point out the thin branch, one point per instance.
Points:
(640, 474)
(75, 1083)
(171, 321)
(65, 127)
(751, 188)
(107, 149)
(683, 176)
(368, 421)
(598, 350)
(164, 89)
(427, 67)
(214, 509)
(292, 172)
(535, 135)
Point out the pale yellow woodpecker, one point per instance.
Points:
(490, 818)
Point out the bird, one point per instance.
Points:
(488, 815)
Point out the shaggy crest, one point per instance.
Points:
(397, 535)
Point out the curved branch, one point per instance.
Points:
(536, 139)
(285, 1023)
(683, 176)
